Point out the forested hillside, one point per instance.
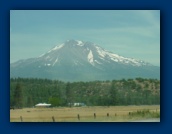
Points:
(25, 92)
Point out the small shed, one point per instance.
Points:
(42, 105)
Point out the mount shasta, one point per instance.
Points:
(82, 61)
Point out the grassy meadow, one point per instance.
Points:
(86, 114)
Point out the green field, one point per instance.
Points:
(86, 114)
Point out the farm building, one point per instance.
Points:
(42, 105)
(76, 104)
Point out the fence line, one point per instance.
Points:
(94, 115)
(53, 118)
(21, 118)
(78, 117)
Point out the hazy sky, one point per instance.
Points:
(129, 33)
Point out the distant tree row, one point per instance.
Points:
(26, 92)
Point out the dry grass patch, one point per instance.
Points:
(65, 114)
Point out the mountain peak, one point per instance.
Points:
(71, 41)
(82, 49)
(75, 58)
(74, 42)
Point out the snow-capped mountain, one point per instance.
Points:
(77, 60)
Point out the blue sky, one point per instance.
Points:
(129, 33)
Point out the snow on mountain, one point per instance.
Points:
(55, 61)
(116, 58)
(84, 61)
(90, 58)
(80, 43)
(87, 47)
(56, 48)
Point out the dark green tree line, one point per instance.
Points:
(27, 92)
(18, 96)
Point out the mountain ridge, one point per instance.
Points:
(78, 60)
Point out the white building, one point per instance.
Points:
(76, 104)
(42, 105)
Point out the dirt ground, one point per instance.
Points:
(78, 114)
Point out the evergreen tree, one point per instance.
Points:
(113, 95)
(116, 92)
(69, 96)
(54, 101)
(18, 96)
(29, 101)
